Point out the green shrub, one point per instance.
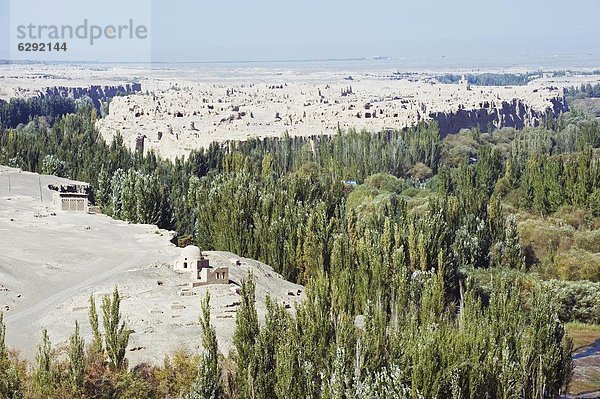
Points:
(576, 300)
(588, 240)
(544, 239)
(578, 264)
(572, 215)
(385, 182)
(420, 171)
(594, 202)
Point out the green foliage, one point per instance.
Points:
(389, 308)
(44, 375)
(10, 381)
(508, 251)
(245, 336)
(576, 264)
(177, 374)
(411, 347)
(206, 385)
(492, 79)
(560, 250)
(18, 110)
(263, 363)
(386, 383)
(142, 198)
(96, 345)
(585, 90)
(594, 202)
(53, 166)
(76, 357)
(137, 384)
(116, 333)
(288, 381)
(576, 300)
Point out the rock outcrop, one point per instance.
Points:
(489, 116)
(95, 93)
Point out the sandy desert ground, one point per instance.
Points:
(51, 261)
(175, 117)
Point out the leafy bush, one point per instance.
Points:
(594, 202)
(576, 300)
(588, 240)
(578, 264)
(572, 215)
(545, 239)
(386, 182)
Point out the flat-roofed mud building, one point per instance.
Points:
(71, 197)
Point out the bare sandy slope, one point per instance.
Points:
(51, 261)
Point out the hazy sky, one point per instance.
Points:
(258, 30)
(276, 29)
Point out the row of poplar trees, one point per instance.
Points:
(390, 309)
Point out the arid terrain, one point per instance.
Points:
(176, 110)
(178, 116)
(52, 261)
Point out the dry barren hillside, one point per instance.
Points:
(52, 261)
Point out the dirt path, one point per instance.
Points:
(49, 256)
(51, 261)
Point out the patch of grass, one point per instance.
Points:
(584, 384)
(578, 386)
(583, 334)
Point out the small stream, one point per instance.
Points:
(593, 349)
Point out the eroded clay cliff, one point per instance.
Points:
(95, 92)
(516, 113)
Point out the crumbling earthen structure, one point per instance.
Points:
(192, 261)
